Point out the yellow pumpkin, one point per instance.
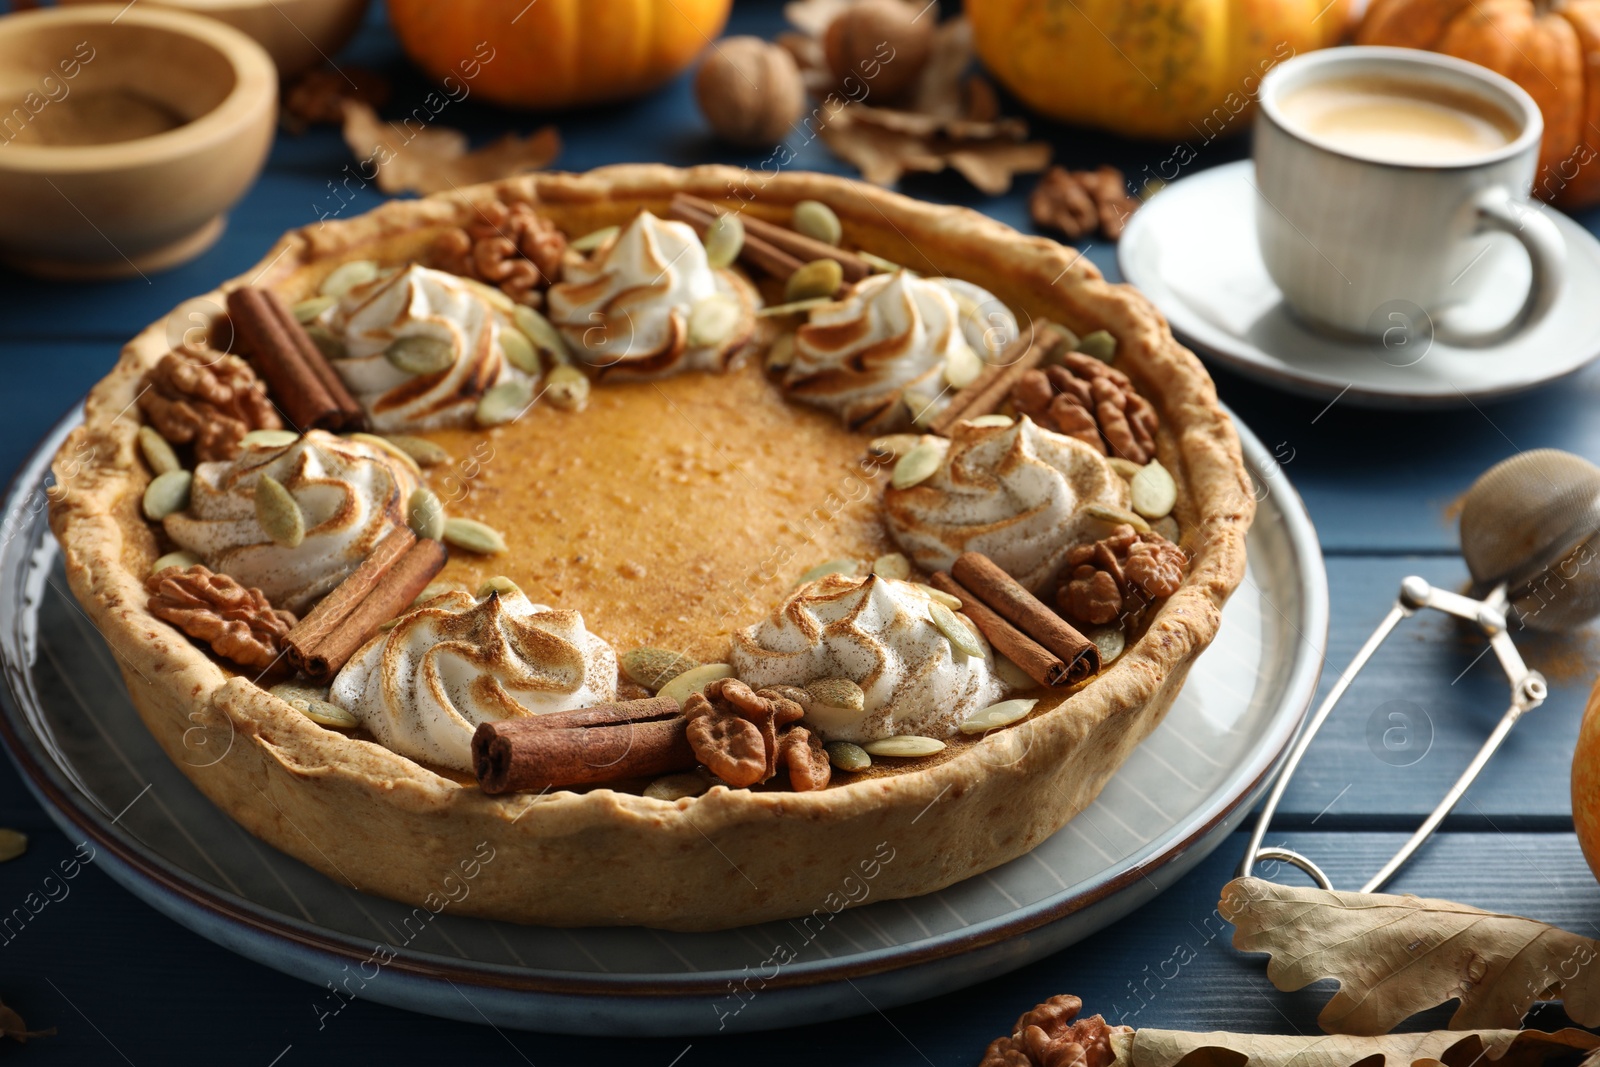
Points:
(555, 53)
(1152, 68)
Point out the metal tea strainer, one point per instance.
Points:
(1530, 531)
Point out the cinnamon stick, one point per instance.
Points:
(1012, 601)
(381, 588)
(758, 253)
(797, 244)
(628, 739)
(307, 389)
(1036, 661)
(988, 392)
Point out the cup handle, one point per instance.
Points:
(1497, 211)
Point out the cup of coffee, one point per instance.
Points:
(1383, 176)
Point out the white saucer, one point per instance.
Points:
(1192, 250)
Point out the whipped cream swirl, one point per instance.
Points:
(879, 357)
(352, 495)
(1010, 492)
(419, 302)
(456, 661)
(627, 308)
(878, 633)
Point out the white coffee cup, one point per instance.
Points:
(1359, 245)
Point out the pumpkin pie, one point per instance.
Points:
(683, 596)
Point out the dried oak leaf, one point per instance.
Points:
(1394, 956)
(1148, 1047)
(12, 1026)
(885, 144)
(237, 622)
(435, 158)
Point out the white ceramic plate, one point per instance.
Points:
(1192, 250)
(78, 741)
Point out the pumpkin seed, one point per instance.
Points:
(675, 787)
(713, 320)
(917, 465)
(781, 355)
(1012, 675)
(922, 407)
(1109, 640)
(997, 715)
(894, 445)
(848, 756)
(1099, 344)
(158, 454)
(312, 703)
(474, 536)
(519, 350)
(420, 354)
(499, 585)
(818, 221)
(878, 264)
(990, 421)
(389, 448)
(833, 566)
(1116, 516)
(794, 307)
(167, 494)
(1153, 491)
(567, 388)
(837, 693)
(425, 514)
(1151, 187)
(957, 632)
(420, 449)
(1167, 527)
(13, 843)
(1066, 335)
(278, 513)
(594, 239)
(181, 560)
(346, 276)
(724, 240)
(306, 310)
(504, 403)
(892, 565)
(655, 667)
(820, 277)
(494, 296)
(269, 439)
(962, 366)
(1126, 468)
(939, 596)
(545, 337)
(694, 680)
(906, 746)
(328, 343)
(434, 589)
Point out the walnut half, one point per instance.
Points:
(238, 623)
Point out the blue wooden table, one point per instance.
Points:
(123, 983)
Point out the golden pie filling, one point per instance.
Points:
(549, 510)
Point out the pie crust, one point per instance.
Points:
(375, 820)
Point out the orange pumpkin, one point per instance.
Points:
(555, 53)
(1586, 783)
(1183, 69)
(1549, 47)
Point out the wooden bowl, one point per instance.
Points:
(125, 133)
(297, 33)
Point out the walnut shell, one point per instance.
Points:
(750, 91)
(883, 44)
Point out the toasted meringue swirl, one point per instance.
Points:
(878, 357)
(1010, 492)
(419, 302)
(456, 662)
(626, 309)
(878, 633)
(352, 494)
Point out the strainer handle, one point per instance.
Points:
(1528, 691)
